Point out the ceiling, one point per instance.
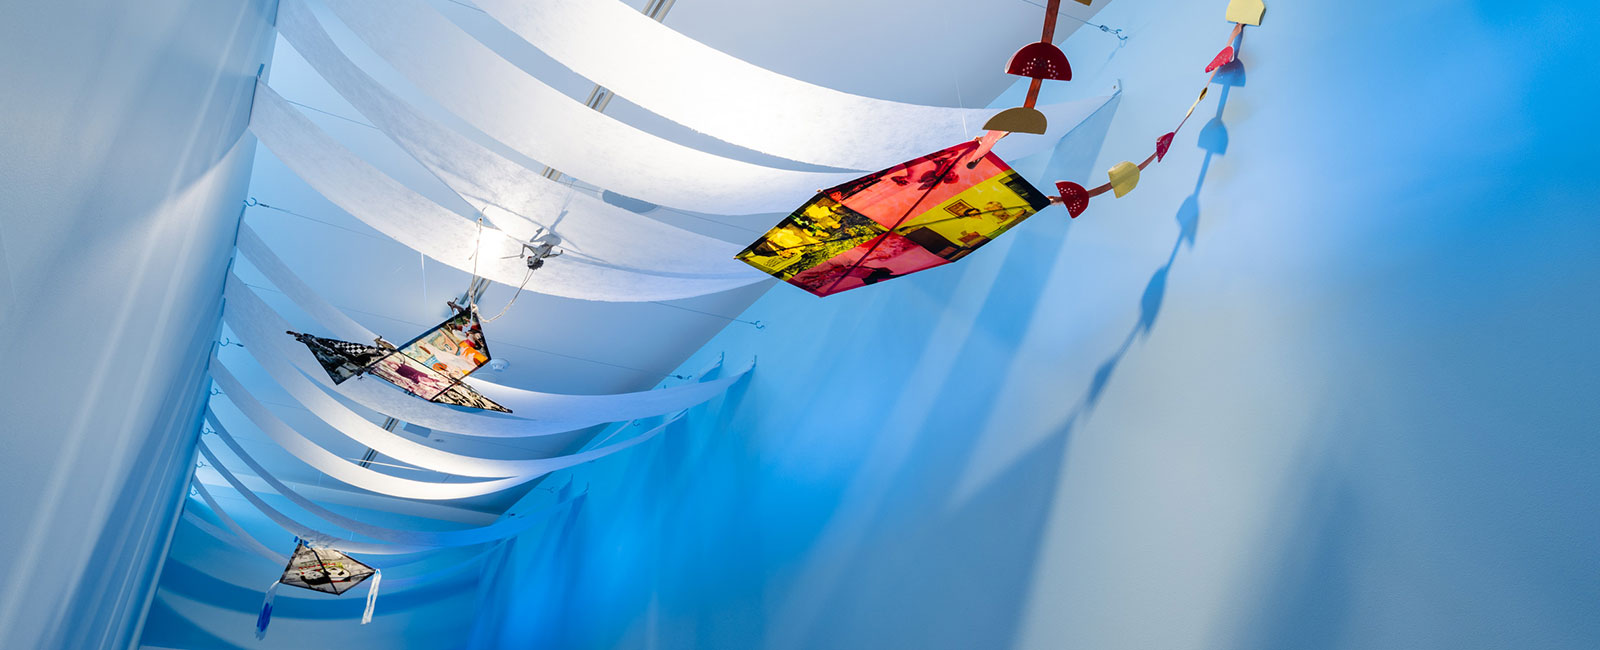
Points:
(940, 52)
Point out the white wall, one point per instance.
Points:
(121, 177)
(1325, 380)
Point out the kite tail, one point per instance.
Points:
(372, 597)
(265, 617)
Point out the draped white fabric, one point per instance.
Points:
(417, 222)
(504, 527)
(237, 535)
(697, 86)
(300, 530)
(249, 543)
(500, 99)
(347, 472)
(537, 413)
(514, 197)
(235, 531)
(304, 297)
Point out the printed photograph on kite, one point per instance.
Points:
(319, 569)
(916, 215)
(324, 569)
(431, 366)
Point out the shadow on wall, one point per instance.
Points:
(1214, 141)
(1380, 284)
(888, 552)
(983, 562)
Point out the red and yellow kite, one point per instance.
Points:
(916, 215)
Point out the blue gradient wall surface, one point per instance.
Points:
(1325, 380)
(122, 169)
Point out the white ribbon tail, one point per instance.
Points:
(372, 597)
(265, 618)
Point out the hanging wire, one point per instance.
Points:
(572, 188)
(757, 324)
(331, 114)
(459, 2)
(1114, 32)
(966, 130)
(253, 203)
(472, 282)
(527, 276)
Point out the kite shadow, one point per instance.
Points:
(1213, 139)
(989, 542)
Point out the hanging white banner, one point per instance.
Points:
(350, 473)
(506, 526)
(505, 103)
(417, 222)
(235, 531)
(237, 536)
(514, 197)
(688, 82)
(300, 530)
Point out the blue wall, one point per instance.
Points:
(1325, 380)
(121, 175)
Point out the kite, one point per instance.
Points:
(916, 215)
(320, 569)
(431, 366)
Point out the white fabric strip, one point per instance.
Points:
(417, 222)
(347, 472)
(255, 544)
(304, 297)
(501, 100)
(424, 578)
(301, 530)
(697, 86)
(232, 540)
(500, 529)
(236, 531)
(537, 413)
(514, 197)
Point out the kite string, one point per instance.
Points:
(571, 189)
(966, 131)
(757, 324)
(525, 277)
